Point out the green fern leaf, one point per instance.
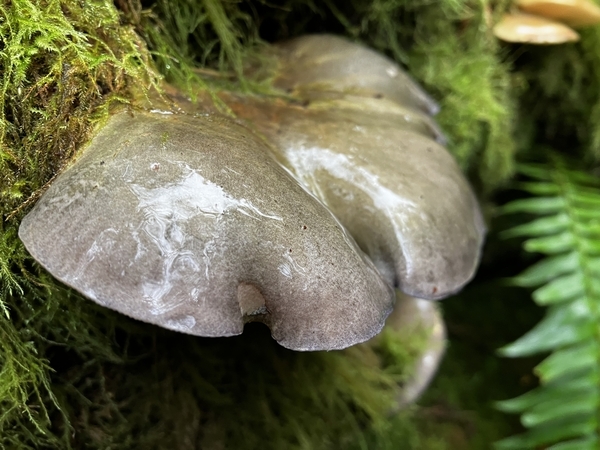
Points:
(538, 205)
(548, 269)
(539, 188)
(545, 225)
(589, 443)
(564, 361)
(563, 413)
(551, 245)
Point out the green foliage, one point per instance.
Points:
(564, 410)
(560, 102)
(62, 64)
(143, 387)
(184, 35)
(460, 62)
(56, 72)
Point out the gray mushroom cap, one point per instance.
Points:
(319, 63)
(188, 223)
(399, 193)
(371, 153)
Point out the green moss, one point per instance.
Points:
(458, 60)
(126, 385)
(185, 35)
(63, 63)
(561, 101)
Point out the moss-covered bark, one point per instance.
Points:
(73, 375)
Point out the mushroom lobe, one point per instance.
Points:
(322, 62)
(376, 161)
(188, 223)
(398, 192)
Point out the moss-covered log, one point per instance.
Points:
(74, 375)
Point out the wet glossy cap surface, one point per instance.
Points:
(399, 193)
(188, 223)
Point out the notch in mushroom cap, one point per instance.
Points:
(188, 223)
(332, 63)
(529, 29)
(576, 13)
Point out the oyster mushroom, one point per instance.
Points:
(188, 223)
(375, 163)
(192, 222)
(529, 29)
(576, 13)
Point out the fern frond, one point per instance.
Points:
(563, 412)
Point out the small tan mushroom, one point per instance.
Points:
(576, 13)
(188, 223)
(528, 29)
